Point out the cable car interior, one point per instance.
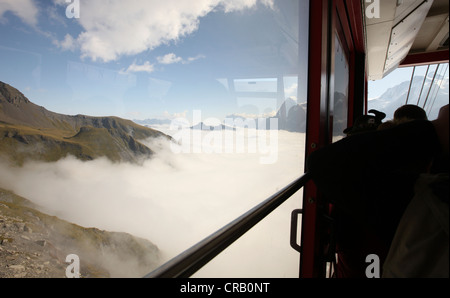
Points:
(349, 43)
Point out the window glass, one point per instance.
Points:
(425, 86)
(225, 80)
(341, 81)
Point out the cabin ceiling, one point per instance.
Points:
(397, 29)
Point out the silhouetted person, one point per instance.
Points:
(370, 180)
(410, 112)
(420, 247)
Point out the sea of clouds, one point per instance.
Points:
(176, 199)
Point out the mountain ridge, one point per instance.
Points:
(29, 131)
(396, 96)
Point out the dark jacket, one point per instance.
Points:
(369, 178)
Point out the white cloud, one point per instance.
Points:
(291, 91)
(169, 59)
(170, 116)
(175, 200)
(116, 28)
(231, 5)
(172, 58)
(192, 59)
(60, 2)
(67, 44)
(134, 67)
(26, 10)
(254, 116)
(146, 67)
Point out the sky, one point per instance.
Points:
(157, 59)
(400, 75)
(149, 59)
(378, 87)
(420, 93)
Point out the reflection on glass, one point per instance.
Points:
(341, 80)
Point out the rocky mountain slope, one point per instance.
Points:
(29, 131)
(35, 245)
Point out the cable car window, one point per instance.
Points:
(341, 83)
(164, 120)
(425, 86)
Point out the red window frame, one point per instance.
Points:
(326, 18)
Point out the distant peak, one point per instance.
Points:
(11, 94)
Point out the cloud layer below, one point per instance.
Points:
(176, 200)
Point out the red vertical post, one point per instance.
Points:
(324, 15)
(316, 131)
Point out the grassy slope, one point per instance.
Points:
(21, 143)
(29, 131)
(118, 142)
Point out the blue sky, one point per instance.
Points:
(420, 89)
(146, 59)
(377, 88)
(157, 59)
(400, 75)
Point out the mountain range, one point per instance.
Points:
(291, 116)
(31, 132)
(418, 93)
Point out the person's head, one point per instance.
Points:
(409, 112)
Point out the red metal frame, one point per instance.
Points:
(342, 28)
(425, 58)
(323, 17)
(350, 15)
(356, 23)
(316, 131)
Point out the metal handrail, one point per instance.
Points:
(194, 258)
